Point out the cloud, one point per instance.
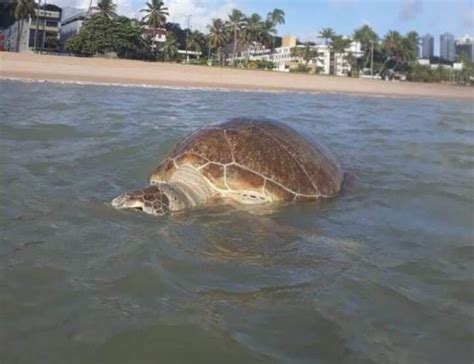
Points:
(124, 7)
(410, 9)
(201, 11)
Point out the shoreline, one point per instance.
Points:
(119, 72)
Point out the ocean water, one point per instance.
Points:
(381, 274)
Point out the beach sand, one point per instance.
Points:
(113, 71)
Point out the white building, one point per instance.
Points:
(327, 62)
(44, 26)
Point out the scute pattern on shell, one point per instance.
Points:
(264, 156)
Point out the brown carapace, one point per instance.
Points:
(242, 160)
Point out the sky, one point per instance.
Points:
(304, 18)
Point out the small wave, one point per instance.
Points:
(208, 88)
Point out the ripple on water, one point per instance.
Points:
(382, 273)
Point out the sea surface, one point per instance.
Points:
(381, 274)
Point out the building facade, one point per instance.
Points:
(427, 46)
(40, 31)
(447, 49)
(72, 23)
(465, 46)
(326, 62)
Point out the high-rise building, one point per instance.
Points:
(446, 47)
(427, 46)
(465, 46)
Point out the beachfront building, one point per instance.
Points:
(285, 59)
(456, 66)
(41, 31)
(156, 35)
(446, 47)
(465, 46)
(427, 46)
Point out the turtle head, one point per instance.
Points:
(150, 200)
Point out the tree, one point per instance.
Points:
(338, 45)
(307, 53)
(99, 34)
(235, 22)
(326, 34)
(24, 9)
(217, 36)
(253, 28)
(400, 50)
(196, 41)
(274, 18)
(107, 7)
(156, 14)
(169, 49)
(410, 44)
(368, 40)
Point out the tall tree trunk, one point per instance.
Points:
(44, 30)
(18, 35)
(37, 25)
(235, 46)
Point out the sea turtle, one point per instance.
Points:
(245, 161)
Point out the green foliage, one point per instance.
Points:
(255, 64)
(307, 53)
(420, 73)
(339, 43)
(51, 43)
(196, 41)
(169, 50)
(301, 68)
(326, 34)
(100, 35)
(156, 13)
(107, 7)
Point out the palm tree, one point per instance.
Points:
(196, 41)
(24, 9)
(338, 45)
(307, 53)
(368, 40)
(393, 48)
(326, 34)
(274, 18)
(277, 17)
(170, 48)
(236, 19)
(156, 14)
(253, 28)
(411, 42)
(217, 36)
(107, 7)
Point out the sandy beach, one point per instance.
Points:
(97, 70)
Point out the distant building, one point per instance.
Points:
(326, 62)
(465, 46)
(427, 46)
(288, 41)
(41, 30)
(446, 47)
(72, 22)
(157, 35)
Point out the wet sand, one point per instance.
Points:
(129, 72)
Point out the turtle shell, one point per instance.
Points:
(263, 158)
